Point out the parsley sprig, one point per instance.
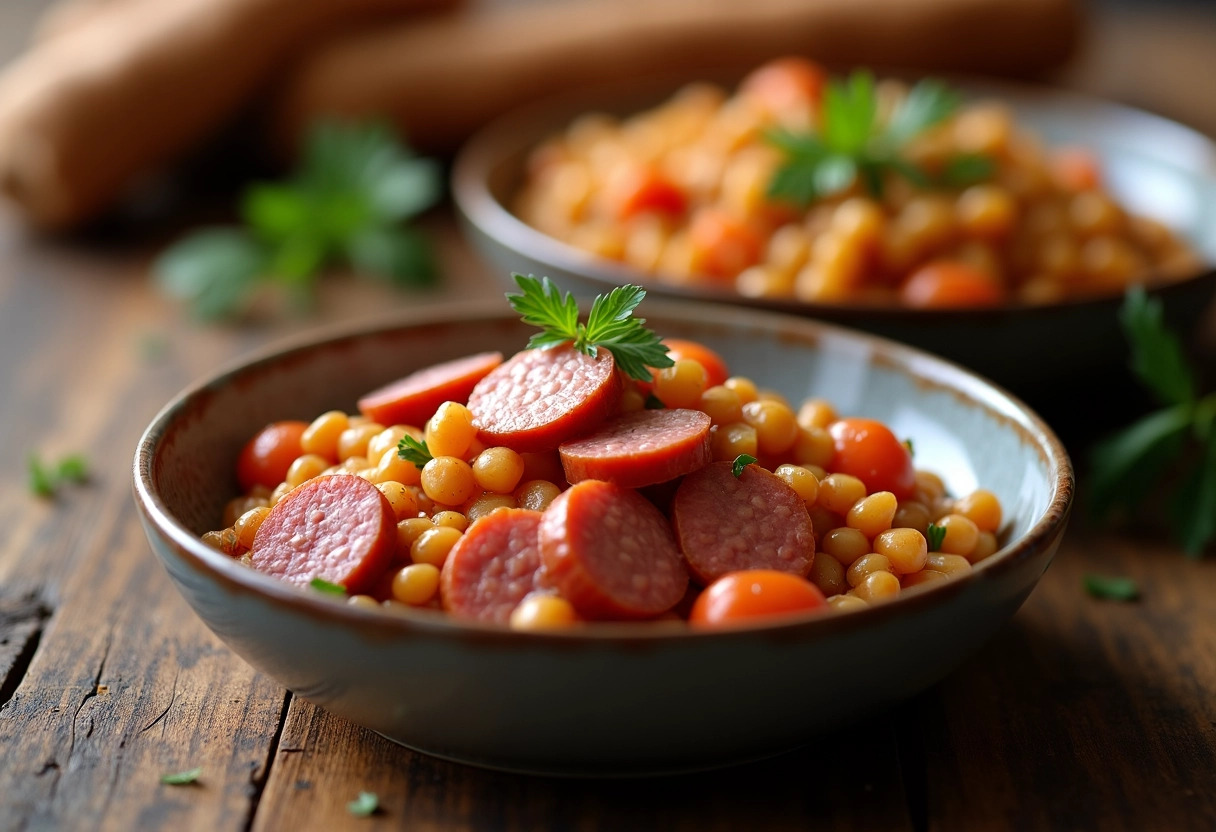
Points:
(852, 143)
(610, 324)
(1178, 438)
(355, 187)
(935, 535)
(181, 778)
(415, 451)
(1111, 588)
(45, 479)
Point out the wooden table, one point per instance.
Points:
(1080, 714)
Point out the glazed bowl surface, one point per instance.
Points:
(1155, 167)
(611, 698)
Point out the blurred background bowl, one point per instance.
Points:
(1154, 167)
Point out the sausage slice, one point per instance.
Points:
(338, 528)
(540, 398)
(493, 566)
(639, 449)
(414, 399)
(610, 553)
(726, 523)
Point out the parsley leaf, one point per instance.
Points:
(329, 588)
(852, 144)
(365, 805)
(72, 468)
(1175, 443)
(934, 535)
(181, 778)
(1111, 589)
(741, 462)
(610, 324)
(41, 480)
(355, 185)
(1157, 356)
(412, 450)
(44, 480)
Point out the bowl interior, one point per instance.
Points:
(962, 428)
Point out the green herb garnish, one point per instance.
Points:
(851, 143)
(935, 534)
(181, 778)
(1112, 589)
(412, 450)
(355, 185)
(364, 805)
(1180, 437)
(44, 479)
(653, 402)
(610, 324)
(907, 443)
(741, 462)
(322, 585)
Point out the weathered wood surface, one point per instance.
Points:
(1080, 714)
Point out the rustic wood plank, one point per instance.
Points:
(21, 620)
(1085, 714)
(848, 780)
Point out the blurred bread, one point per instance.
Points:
(439, 79)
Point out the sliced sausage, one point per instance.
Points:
(610, 553)
(339, 528)
(641, 448)
(492, 567)
(726, 523)
(413, 399)
(540, 398)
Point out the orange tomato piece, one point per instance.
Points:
(1076, 168)
(786, 84)
(266, 457)
(868, 450)
(752, 594)
(723, 245)
(945, 284)
(644, 189)
(715, 366)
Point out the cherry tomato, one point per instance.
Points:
(785, 84)
(867, 449)
(642, 189)
(266, 457)
(752, 594)
(723, 246)
(945, 284)
(1076, 168)
(715, 367)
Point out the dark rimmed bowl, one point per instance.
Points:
(611, 698)
(1156, 167)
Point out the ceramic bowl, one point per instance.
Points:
(1155, 167)
(612, 698)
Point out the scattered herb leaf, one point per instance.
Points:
(412, 450)
(181, 778)
(1111, 589)
(365, 805)
(355, 186)
(653, 402)
(1180, 438)
(741, 462)
(852, 143)
(911, 447)
(610, 324)
(322, 585)
(45, 479)
(935, 534)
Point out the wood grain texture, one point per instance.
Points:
(849, 780)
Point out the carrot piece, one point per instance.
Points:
(723, 245)
(944, 284)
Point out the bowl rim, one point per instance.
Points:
(517, 131)
(926, 369)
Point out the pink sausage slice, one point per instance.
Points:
(340, 529)
(492, 567)
(540, 398)
(726, 523)
(610, 553)
(639, 449)
(414, 399)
